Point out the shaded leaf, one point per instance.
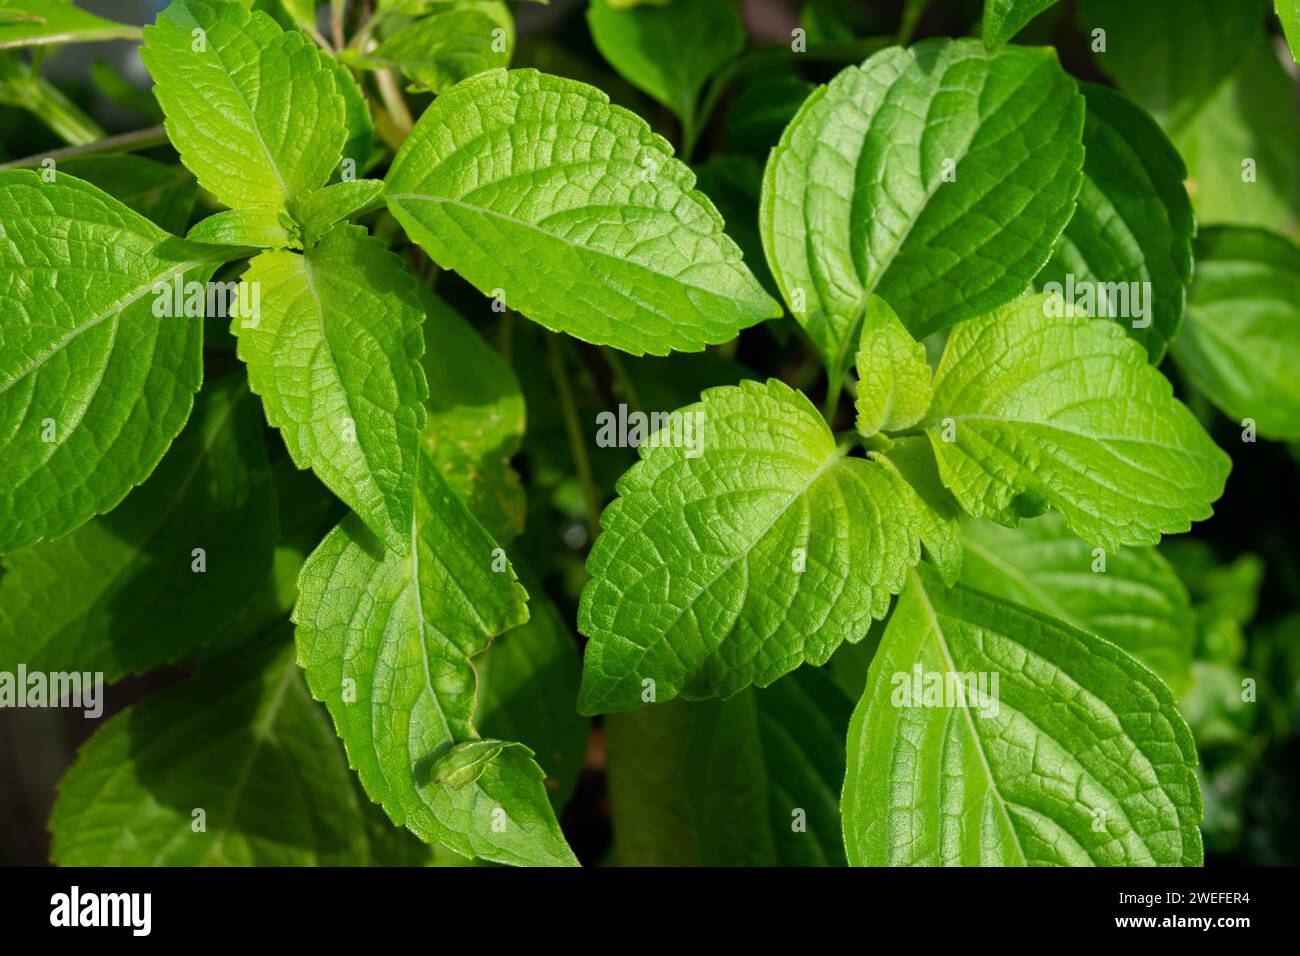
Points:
(1241, 342)
(124, 593)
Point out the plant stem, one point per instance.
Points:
(384, 125)
(577, 446)
(122, 143)
(63, 116)
(834, 383)
(690, 130)
(21, 85)
(358, 41)
(336, 21)
(766, 57)
(317, 37)
(506, 336)
(394, 102)
(624, 380)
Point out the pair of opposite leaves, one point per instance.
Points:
(694, 580)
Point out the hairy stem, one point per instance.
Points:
(577, 446)
(122, 143)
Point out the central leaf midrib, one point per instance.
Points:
(116, 308)
(836, 454)
(845, 345)
(309, 277)
(937, 631)
(261, 733)
(534, 227)
(252, 116)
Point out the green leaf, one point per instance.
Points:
(386, 641)
(734, 184)
(319, 210)
(110, 81)
(733, 563)
(267, 227)
(455, 43)
(308, 511)
(1241, 342)
(93, 385)
(937, 511)
(1244, 162)
(1288, 11)
(668, 51)
(1077, 756)
(38, 22)
(527, 683)
(1036, 409)
(1003, 19)
(245, 745)
(1171, 57)
(893, 376)
(126, 592)
(936, 177)
(725, 783)
(760, 113)
(227, 92)
(357, 151)
(1130, 241)
(511, 171)
(162, 194)
(476, 418)
(302, 13)
(1132, 598)
(335, 353)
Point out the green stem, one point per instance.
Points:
(757, 60)
(122, 143)
(690, 130)
(64, 117)
(395, 103)
(912, 14)
(384, 125)
(506, 336)
(624, 380)
(577, 447)
(834, 384)
(360, 38)
(877, 442)
(21, 85)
